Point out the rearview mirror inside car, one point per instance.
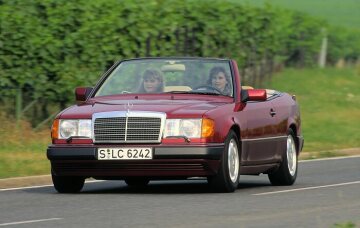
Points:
(173, 68)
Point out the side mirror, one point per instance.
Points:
(81, 93)
(253, 95)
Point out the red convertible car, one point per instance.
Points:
(175, 118)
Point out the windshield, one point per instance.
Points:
(195, 76)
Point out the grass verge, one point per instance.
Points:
(345, 225)
(22, 151)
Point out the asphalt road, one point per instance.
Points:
(326, 192)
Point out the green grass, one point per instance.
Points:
(343, 13)
(22, 151)
(323, 154)
(345, 225)
(330, 105)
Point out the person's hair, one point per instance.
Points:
(218, 69)
(149, 74)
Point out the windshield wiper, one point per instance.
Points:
(194, 92)
(179, 137)
(68, 140)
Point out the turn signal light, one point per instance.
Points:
(208, 128)
(55, 129)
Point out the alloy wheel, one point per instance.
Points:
(233, 161)
(291, 155)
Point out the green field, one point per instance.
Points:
(330, 105)
(330, 109)
(343, 13)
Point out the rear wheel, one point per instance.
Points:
(227, 178)
(65, 184)
(287, 172)
(137, 181)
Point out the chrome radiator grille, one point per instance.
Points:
(127, 129)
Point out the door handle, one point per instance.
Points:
(272, 113)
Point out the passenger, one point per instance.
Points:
(152, 82)
(220, 80)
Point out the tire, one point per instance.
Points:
(137, 181)
(287, 172)
(65, 184)
(227, 178)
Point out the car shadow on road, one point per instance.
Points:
(199, 186)
(163, 187)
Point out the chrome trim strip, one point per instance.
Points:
(126, 125)
(266, 138)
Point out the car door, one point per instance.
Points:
(281, 112)
(259, 144)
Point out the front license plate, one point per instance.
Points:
(124, 153)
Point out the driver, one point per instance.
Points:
(152, 82)
(220, 80)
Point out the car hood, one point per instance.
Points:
(173, 108)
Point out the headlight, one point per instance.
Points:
(84, 128)
(69, 128)
(191, 128)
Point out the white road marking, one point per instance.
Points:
(40, 186)
(332, 158)
(29, 221)
(36, 186)
(308, 188)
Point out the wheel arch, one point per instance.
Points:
(236, 128)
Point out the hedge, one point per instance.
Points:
(48, 47)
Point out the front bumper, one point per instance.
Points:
(176, 161)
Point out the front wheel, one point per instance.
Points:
(287, 172)
(65, 184)
(227, 178)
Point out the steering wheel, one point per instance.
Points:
(207, 88)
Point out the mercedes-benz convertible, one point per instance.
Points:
(175, 118)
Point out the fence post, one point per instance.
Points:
(323, 50)
(18, 106)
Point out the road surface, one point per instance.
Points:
(326, 192)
